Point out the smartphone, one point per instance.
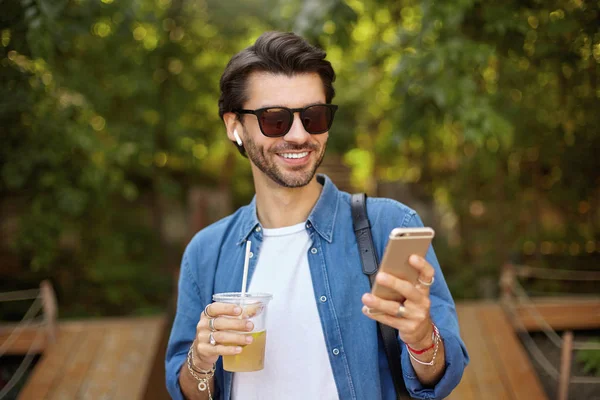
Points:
(402, 243)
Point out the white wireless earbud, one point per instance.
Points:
(237, 137)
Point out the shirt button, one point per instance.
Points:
(250, 255)
(336, 352)
(323, 299)
(257, 229)
(313, 250)
(308, 225)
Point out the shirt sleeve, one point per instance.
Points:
(189, 308)
(443, 314)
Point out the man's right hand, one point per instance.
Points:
(223, 316)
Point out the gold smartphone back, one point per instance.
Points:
(403, 242)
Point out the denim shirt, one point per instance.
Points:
(213, 262)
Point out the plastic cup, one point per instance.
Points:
(254, 308)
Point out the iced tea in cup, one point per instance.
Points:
(254, 308)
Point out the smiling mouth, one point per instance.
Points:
(291, 156)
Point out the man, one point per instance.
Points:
(322, 343)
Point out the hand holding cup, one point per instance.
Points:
(219, 320)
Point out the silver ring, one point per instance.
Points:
(426, 283)
(401, 311)
(211, 339)
(206, 311)
(211, 324)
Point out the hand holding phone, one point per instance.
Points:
(402, 243)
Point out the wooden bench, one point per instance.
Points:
(500, 367)
(102, 359)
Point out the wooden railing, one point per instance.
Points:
(550, 314)
(33, 333)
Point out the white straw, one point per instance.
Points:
(246, 262)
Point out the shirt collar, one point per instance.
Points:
(248, 221)
(322, 217)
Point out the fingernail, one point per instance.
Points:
(237, 310)
(382, 277)
(368, 297)
(238, 349)
(416, 260)
(249, 339)
(249, 326)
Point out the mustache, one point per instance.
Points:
(293, 147)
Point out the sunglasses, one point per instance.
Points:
(277, 121)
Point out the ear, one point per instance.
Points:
(232, 124)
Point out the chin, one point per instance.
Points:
(294, 181)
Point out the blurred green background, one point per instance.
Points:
(481, 115)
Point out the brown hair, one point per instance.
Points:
(274, 52)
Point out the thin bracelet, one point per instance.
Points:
(435, 350)
(200, 370)
(203, 382)
(428, 348)
(425, 350)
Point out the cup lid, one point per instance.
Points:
(229, 296)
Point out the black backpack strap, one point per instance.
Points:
(362, 230)
(370, 264)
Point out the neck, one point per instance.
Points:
(278, 206)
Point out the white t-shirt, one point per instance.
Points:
(296, 361)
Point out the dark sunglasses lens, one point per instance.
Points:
(317, 119)
(275, 121)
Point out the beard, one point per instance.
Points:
(293, 177)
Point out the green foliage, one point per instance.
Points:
(486, 112)
(590, 359)
(109, 113)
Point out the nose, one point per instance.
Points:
(297, 133)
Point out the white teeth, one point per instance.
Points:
(294, 155)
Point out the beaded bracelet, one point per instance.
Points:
(203, 382)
